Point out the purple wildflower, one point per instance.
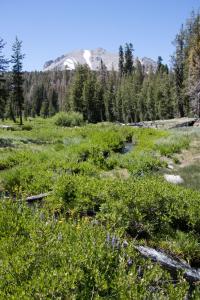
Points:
(130, 262)
(108, 238)
(113, 241)
(125, 244)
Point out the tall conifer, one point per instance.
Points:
(17, 77)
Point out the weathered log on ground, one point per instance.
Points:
(7, 127)
(164, 124)
(137, 124)
(190, 274)
(185, 124)
(197, 123)
(37, 197)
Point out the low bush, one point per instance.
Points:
(29, 181)
(6, 142)
(158, 203)
(70, 246)
(69, 119)
(27, 127)
(43, 258)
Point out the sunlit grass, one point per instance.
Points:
(95, 190)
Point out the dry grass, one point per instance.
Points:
(116, 173)
(189, 166)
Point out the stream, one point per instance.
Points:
(128, 147)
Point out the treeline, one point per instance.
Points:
(186, 67)
(130, 95)
(45, 92)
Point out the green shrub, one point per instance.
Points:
(150, 200)
(27, 127)
(29, 181)
(6, 142)
(60, 250)
(42, 258)
(68, 119)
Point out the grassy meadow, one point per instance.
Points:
(78, 243)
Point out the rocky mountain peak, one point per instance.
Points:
(93, 59)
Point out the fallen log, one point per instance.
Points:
(197, 123)
(188, 123)
(7, 127)
(37, 197)
(137, 124)
(190, 274)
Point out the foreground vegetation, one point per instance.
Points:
(79, 242)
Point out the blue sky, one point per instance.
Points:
(50, 28)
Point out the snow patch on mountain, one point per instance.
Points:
(70, 64)
(87, 55)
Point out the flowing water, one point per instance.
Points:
(128, 146)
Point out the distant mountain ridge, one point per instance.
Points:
(92, 58)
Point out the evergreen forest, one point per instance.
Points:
(132, 94)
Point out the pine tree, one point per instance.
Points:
(159, 64)
(121, 61)
(138, 75)
(167, 102)
(80, 76)
(99, 101)
(147, 99)
(17, 77)
(119, 100)
(163, 95)
(128, 54)
(53, 102)
(179, 65)
(127, 100)
(3, 61)
(3, 90)
(88, 97)
(37, 95)
(194, 68)
(44, 112)
(110, 97)
(102, 80)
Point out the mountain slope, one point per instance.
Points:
(92, 58)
